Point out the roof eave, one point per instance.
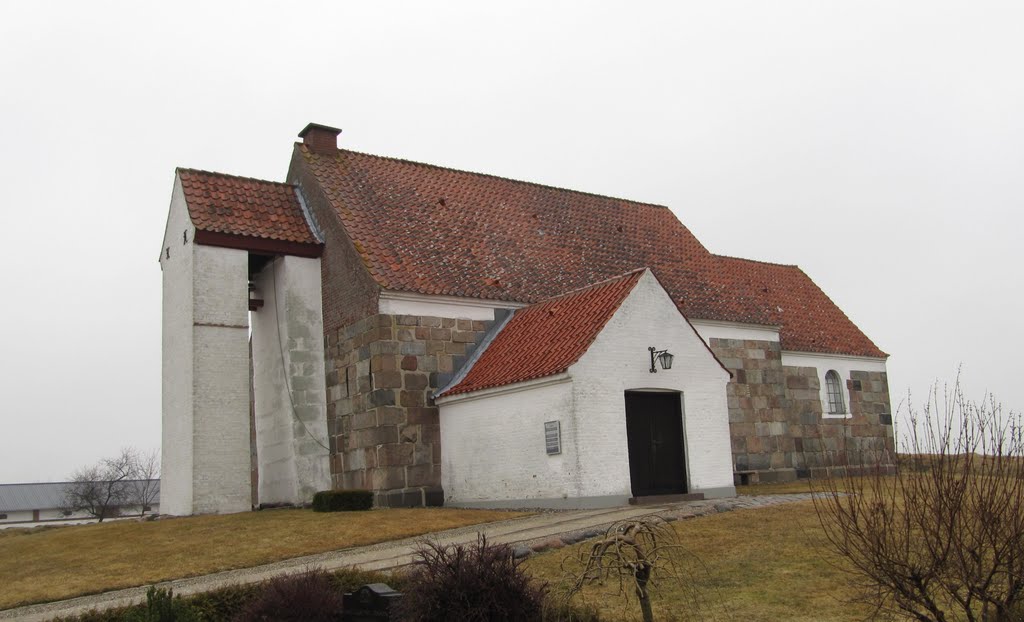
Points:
(258, 245)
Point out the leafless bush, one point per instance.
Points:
(638, 555)
(479, 582)
(943, 537)
(309, 596)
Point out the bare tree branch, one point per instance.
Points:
(103, 489)
(147, 476)
(942, 537)
(636, 554)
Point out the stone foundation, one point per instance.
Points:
(382, 423)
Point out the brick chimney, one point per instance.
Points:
(320, 138)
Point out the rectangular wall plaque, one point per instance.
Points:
(553, 437)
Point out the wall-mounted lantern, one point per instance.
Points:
(664, 358)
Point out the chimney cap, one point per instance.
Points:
(316, 127)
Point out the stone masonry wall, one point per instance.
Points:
(861, 438)
(383, 426)
(872, 413)
(775, 414)
(758, 417)
(349, 291)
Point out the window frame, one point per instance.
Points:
(834, 394)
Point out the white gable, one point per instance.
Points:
(495, 450)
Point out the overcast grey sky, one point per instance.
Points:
(878, 145)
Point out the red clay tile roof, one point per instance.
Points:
(546, 338)
(434, 230)
(219, 203)
(786, 297)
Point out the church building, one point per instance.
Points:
(446, 337)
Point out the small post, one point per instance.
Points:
(370, 603)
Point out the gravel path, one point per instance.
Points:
(527, 535)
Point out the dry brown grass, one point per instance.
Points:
(57, 563)
(800, 485)
(761, 564)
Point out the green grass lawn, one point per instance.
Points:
(46, 564)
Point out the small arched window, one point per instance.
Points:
(834, 391)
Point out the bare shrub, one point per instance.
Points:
(938, 533)
(309, 595)
(636, 555)
(471, 583)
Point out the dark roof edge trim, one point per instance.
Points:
(461, 373)
(261, 245)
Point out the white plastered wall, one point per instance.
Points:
(493, 445)
(205, 372)
(494, 451)
(176, 263)
(619, 361)
(714, 329)
(406, 303)
(221, 477)
(291, 421)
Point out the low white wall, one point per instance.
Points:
(56, 514)
(21, 516)
(493, 447)
(287, 337)
(842, 365)
(618, 361)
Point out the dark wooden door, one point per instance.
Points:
(654, 436)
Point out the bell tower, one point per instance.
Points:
(225, 237)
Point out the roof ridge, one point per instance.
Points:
(759, 261)
(499, 177)
(580, 290)
(565, 239)
(231, 176)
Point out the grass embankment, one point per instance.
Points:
(760, 564)
(56, 563)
